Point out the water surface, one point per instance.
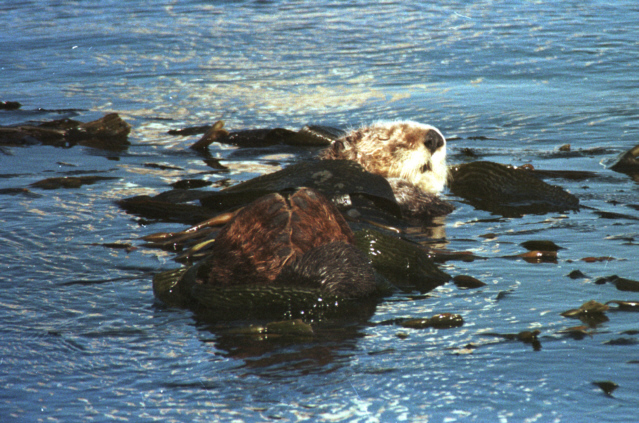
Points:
(82, 334)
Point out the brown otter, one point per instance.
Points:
(301, 240)
(410, 155)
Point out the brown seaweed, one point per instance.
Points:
(438, 321)
(69, 181)
(628, 162)
(508, 191)
(467, 282)
(107, 133)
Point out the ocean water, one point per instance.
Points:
(83, 338)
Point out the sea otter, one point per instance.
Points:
(296, 237)
(410, 155)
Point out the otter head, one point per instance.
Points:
(408, 150)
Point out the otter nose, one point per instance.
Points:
(433, 140)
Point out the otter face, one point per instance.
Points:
(408, 150)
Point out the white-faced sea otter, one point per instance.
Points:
(302, 239)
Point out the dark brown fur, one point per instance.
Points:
(271, 233)
(337, 268)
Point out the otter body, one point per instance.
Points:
(302, 238)
(293, 242)
(299, 239)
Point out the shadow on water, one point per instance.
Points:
(276, 352)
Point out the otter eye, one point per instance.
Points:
(433, 141)
(338, 145)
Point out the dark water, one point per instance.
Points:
(83, 339)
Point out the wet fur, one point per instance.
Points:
(407, 150)
(337, 268)
(270, 234)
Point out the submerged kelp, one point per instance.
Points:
(403, 263)
(508, 191)
(399, 264)
(628, 163)
(248, 302)
(108, 133)
(281, 255)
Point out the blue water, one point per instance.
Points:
(83, 338)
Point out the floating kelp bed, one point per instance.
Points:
(365, 199)
(508, 191)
